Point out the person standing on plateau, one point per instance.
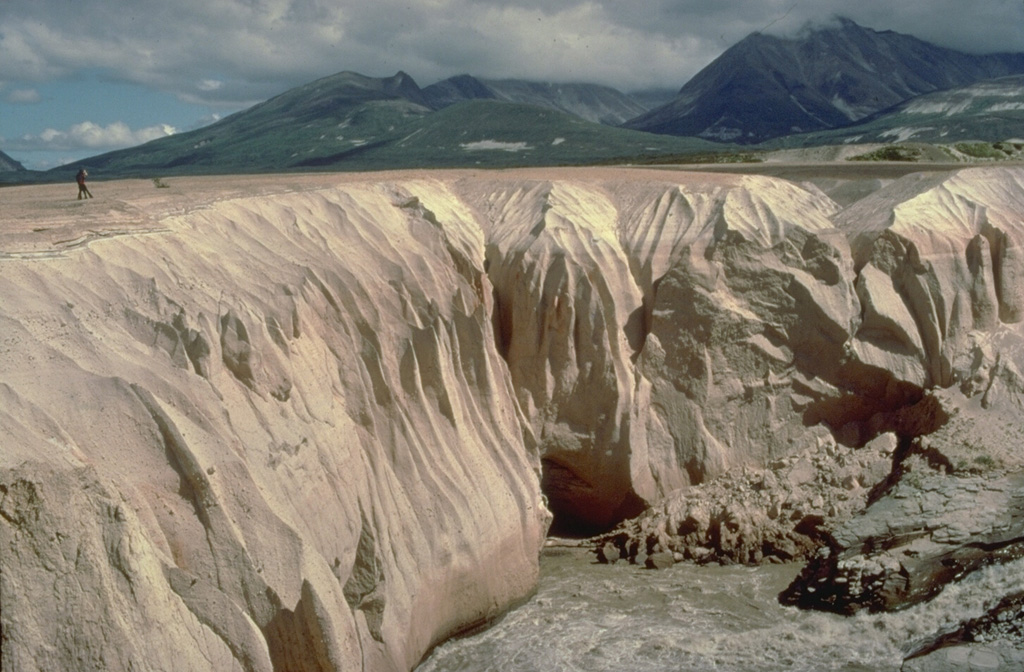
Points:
(83, 191)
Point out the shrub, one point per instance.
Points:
(979, 150)
(890, 153)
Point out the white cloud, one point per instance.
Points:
(23, 97)
(90, 136)
(233, 52)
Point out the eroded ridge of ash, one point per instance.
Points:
(325, 422)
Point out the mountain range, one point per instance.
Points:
(352, 122)
(766, 86)
(836, 83)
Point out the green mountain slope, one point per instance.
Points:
(340, 113)
(592, 102)
(490, 133)
(352, 122)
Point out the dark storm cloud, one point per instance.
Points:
(233, 52)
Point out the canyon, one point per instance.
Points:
(326, 421)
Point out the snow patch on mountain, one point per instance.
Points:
(903, 133)
(852, 112)
(495, 145)
(948, 107)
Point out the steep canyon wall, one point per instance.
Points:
(273, 433)
(309, 428)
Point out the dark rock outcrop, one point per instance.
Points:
(931, 529)
(993, 641)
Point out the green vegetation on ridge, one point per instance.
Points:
(492, 134)
(390, 134)
(352, 122)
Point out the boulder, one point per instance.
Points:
(608, 554)
(659, 560)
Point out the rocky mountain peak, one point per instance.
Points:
(826, 76)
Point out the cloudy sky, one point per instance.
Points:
(80, 77)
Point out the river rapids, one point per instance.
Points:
(605, 618)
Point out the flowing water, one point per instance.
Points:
(608, 618)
